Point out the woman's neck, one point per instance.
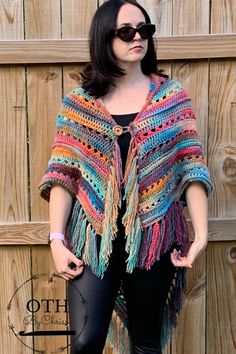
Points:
(129, 93)
(133, 76)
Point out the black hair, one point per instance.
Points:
(103, 68)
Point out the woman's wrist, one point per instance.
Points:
(56, 236)
(56, 242)
(201, 237)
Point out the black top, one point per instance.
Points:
(125, 137)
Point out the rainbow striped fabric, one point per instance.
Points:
(165, 155)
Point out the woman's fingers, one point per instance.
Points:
(75, 265)
(194, 251)
(66, 277)
(71, 270)
(178, 260)
(75, 269)
(70, 274)
(67, 264)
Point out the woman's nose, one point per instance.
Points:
(137, 36)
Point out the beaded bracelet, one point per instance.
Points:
(55, 236)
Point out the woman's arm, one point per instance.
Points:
(198, 209)
(59, 210)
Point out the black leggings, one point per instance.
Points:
(91, 302)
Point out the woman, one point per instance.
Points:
(125, 161)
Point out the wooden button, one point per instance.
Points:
(117, 130)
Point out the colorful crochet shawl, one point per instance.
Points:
(165, 155)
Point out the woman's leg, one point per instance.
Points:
(146, 292)
(91, 302)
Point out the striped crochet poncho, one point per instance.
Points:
(165, 155)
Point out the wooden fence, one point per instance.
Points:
(43, 47)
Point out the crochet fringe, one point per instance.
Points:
(112, 202)
(83, 240)
(118, 338)
(109, 224)
(173, 306)
(131, 219)
(144, 246)
(160, 236)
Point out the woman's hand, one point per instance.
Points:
(195, 250)
(197, 205)
(66, 263)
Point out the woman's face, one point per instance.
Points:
(135, 50)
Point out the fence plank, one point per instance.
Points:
(222, 137)
(13, 140)
(11, 15)
(24, 233)
(223, 16)
(36, 233)
(14, 263)
(221, 295)
(71, 77)
(51, 288)
(76, 18)
(44, 99)
(191, 17)
(44, 86)
(76, 51)
(42, 19)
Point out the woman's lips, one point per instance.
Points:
(137, 47)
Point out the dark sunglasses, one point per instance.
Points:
(127, 33)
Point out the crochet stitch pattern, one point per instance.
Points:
(164, 156)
